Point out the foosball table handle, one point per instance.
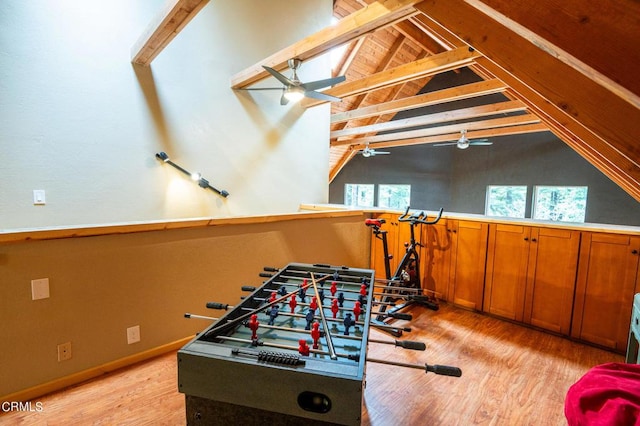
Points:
(217, 305)
(443, 370)
(410, 344)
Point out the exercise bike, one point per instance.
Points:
(405, 283)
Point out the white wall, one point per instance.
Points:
(78, 120)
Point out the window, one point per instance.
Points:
(394, 196)
(560, 203)
(506, 201)
(356, 194)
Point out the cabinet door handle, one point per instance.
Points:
(534, 240)
(526, 238)
(634, 251)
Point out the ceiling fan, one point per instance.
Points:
(464, 142)
(294, 89)
(369, 152)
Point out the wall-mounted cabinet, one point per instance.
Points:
(608, 277)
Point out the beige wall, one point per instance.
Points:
(82, 123)
(101, 285)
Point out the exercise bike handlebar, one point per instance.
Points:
(419, 218)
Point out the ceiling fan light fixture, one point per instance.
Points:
(294, 94)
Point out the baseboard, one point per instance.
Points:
(91, 373)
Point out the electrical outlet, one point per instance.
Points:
(64, 351)
(133, 334)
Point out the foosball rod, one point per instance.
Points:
(345, 290)
(261, 325)
(289, 347)
(222, 306)
(406, 344)
(443, 370)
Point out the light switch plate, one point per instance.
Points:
(39, 197)
(40, 289)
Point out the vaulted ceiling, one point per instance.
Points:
(565, 67)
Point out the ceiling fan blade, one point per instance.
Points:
(319, 84)
(445, 144)
(381, 153)
(480, 143)
(321, 96)
(281, 78)
(260, 88)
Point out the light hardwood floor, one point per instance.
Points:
(512, 375)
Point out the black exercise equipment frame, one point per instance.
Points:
(410, 257)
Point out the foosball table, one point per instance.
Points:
(293, 351)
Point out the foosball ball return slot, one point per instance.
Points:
(292, 352)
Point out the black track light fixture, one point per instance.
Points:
(196, 177)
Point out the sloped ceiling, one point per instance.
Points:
(565, 67)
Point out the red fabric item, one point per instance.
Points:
(608, 394)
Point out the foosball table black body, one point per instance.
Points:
(231, 376)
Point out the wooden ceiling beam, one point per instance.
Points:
(594, 121)
(516, 120)
(432, 98)
(592, 37)
(453, 136)
(430, 65)
(165, 26)
(351, 27)
(436, 118)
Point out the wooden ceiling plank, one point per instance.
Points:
(338, 165)
(591, 118)
(166, 25)
(432, 98)
(351, 27)
(430, 65)
(431, 131)
(440, 117)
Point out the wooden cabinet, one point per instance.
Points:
(530, 275)
(606, 282)
(454, 253)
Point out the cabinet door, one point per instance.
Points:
(607, 280)
(506, 270)
(468, 256)
(551, 276)
(435, 258)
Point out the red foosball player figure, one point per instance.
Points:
(334, 307)
(334, 288)
(274, 296)
(315, 334)
(314, 303)
(293, 303)
(363, 289)
(253, 325)
(357, 310)
(303, 347)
